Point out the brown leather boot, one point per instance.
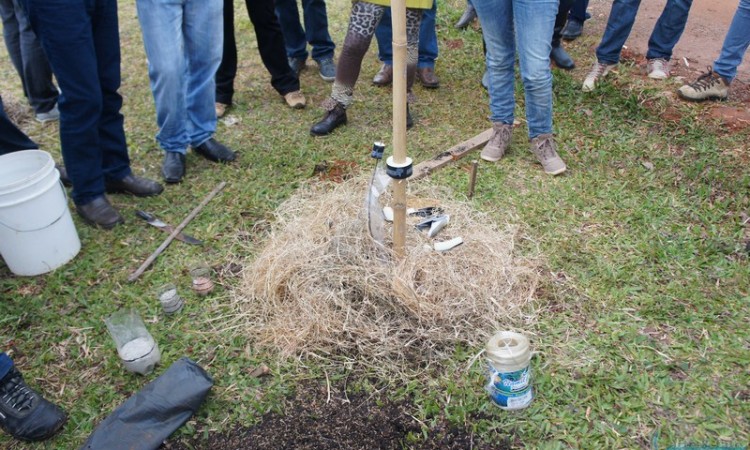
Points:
(427, 76)
(384, 77)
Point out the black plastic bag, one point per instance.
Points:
(147, 418)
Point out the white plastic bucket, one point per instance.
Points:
(37, 234)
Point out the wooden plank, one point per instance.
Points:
(454, 153)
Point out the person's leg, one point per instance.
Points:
(316, 29)
(115, 160)
(534, 21)
(578, 10)
(668, 29)
(271, 45)
(496, 18)
(5, 363)
(228, 68)
(735, 43)
(558, 53)
(294, 36)
(36, 72)
(384, 38)
(363, 20)
(65, 31)
(162, 29)
(12, 36)
(620, 23)
(413, 22)
(428, 43)
(11, 138)
(203, 48)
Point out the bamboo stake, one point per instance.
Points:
(134, 276)
(473, 177)
(398, 17)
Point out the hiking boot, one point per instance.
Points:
(573, 29)
(327, 69)
(543, 146)
(333, 119)
(24, 414)
(597, 73)
(295, 100)
(709, 86)
(49, 116)
(658, 68)
(297, 64)
(498, 143)
(221, 109)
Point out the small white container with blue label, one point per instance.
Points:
(509, 372)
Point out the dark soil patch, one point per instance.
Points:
(354, 421)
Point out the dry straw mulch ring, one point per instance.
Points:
(322, 287)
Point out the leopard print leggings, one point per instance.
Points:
(363, 20)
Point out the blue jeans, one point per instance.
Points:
(5, 365)
(735, 43)
(527, 24)
(667, 30)
(428, 44)
(82, 43)
(184, 41)
(27, 57)
(11, 138)
(315, 31)
(578, 11)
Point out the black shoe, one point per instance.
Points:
(332, 120)
(133, 185)
(467, 17)
(100, 213)
(63, 175)
(409, 118)
(215, 151)
(173, 167)
(561, 58)
(24, 414)
(572, 30)
(297, 64)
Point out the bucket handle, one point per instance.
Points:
(62, 186)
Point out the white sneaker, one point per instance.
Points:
(658, 69)
(598, 71)
(49, 116)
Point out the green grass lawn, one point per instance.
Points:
(644, 312)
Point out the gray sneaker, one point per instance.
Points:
(708, 86)
(327, 69)
(49, 116)
(543, 146)
(597, 73)
(498, 143)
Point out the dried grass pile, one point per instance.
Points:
(322, 287)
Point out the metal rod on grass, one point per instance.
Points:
(134, 276)
(473, 177)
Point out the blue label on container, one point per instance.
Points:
(508, 400)
(510, 381)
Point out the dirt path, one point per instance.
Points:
(700, 43)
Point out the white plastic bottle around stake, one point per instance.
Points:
(509, 372)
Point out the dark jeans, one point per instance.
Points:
(82, 42)
(578, 11)
(667, 30)
(5, 365)
(560, 20)
(28, 57)
(315, 31)
(11, 138)
(270, 46)
(428, 43)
